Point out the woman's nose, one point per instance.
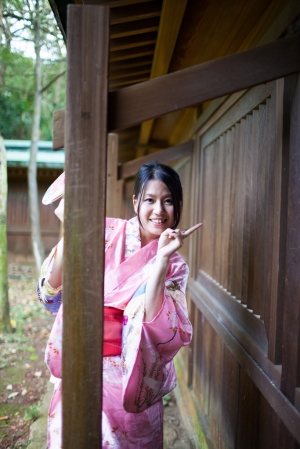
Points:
(158, 207)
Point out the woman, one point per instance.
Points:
(145, 281)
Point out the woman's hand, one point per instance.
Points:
(60, 210)
(171, 240)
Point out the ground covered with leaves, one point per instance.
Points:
(23, 373)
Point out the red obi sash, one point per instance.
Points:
(112, 338)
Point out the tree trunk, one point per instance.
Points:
(36, 237)
(5, 325)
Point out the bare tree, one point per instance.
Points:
(36, 236)
(35, 25)
(5, 325)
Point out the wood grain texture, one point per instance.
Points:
(164, 156)
(85, 192)
(169, 26)
(290, 353)
(270, 390)
(195, 85)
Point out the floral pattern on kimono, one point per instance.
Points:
(135, 382)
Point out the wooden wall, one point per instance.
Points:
(18, 220)
(241, 374)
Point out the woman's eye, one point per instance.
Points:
(169, 201)
(149, 200)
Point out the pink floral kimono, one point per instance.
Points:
(135, 382)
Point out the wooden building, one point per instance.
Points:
(213, 88)
(49, 167)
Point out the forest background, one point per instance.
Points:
(26, 25)
(32, 86)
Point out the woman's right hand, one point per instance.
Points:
(60, 210)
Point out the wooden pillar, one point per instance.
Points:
(291, 326)
(85, 192)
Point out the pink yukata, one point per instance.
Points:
(135, 382)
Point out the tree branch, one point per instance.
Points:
(52, 81)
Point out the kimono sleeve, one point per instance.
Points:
(49, 297)
(149, 347)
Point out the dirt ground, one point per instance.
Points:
(24, 376)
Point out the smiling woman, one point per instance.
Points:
(145, 313)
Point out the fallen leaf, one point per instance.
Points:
(13, 395)
(9, 387)
(27, 365)
(24, 391)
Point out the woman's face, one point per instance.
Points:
(156, 210)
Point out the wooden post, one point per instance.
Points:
(291, 326)
(114, 186)
(85, 192)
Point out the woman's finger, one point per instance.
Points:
(191, 230)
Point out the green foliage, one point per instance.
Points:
(17, 70)
(32, 412)
(22, 445)
(16, 95)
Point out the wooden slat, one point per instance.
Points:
(248, 422)
(118, 3)
(170, 154)
(249, 101)
(239, 211)
(128, 81)
(195, 85)
(227, 211)
(134, 28)
(283, 407)
(83, 279)
(291, 330)
(170, 22)
(127, 64)
(138, 11)
(247, 205)
(232, 251)
(123, 55)
(123, 43)
(273, 304)
(119, 74)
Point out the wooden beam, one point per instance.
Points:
(83, 269)
(135, 104)
(197, 84)
(170, 22)
(164, 156)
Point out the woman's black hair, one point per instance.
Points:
(165, 174)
